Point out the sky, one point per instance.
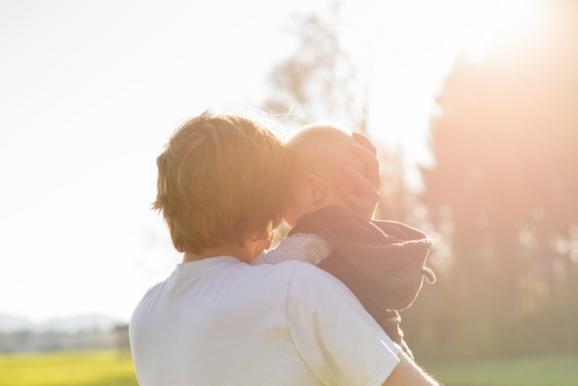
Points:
(90, 92)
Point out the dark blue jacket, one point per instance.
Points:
(382, 262)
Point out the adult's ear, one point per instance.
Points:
(259, 241)
(317, 187)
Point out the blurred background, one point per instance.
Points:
(473, 105)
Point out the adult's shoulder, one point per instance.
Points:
(334, 335)
(308, 277)
(293, 270)
(297, 279)
(148, 298)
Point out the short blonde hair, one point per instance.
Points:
(220, 179)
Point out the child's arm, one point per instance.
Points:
(306, 247)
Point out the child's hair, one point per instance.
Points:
(221, 179)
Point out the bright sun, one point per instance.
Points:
(411, 46)
(501, 22)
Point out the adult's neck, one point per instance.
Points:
(221, 250)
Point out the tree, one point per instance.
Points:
(505, 178)
(318, 81)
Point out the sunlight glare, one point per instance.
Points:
(501, 22)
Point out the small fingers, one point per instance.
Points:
(365, 142)
(370, 161)
(361, 198)
(359, 182)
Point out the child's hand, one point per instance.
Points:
(360, 189)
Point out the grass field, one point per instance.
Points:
(539, 371)
(110, 369)
(67, 369)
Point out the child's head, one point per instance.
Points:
(318, 154)
(221, 181)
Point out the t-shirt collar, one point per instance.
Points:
(197, 266)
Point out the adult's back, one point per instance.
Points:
(219, 321)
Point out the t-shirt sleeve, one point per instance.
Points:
(334, 335)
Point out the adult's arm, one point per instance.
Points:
(337, 339)
(407, 373)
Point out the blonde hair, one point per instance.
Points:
(220, 179)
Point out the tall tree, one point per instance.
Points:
(317, 81)
(506, 180)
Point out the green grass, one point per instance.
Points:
(559, 370)
(110, 369)
(67, 369)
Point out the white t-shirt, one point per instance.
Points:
(219, 321)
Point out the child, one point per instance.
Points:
(382, 262)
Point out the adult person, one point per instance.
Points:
(217, 320)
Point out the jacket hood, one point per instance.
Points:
(382, 262)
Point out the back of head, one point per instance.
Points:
(320, 148)
(220, 179)
(318, 154)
